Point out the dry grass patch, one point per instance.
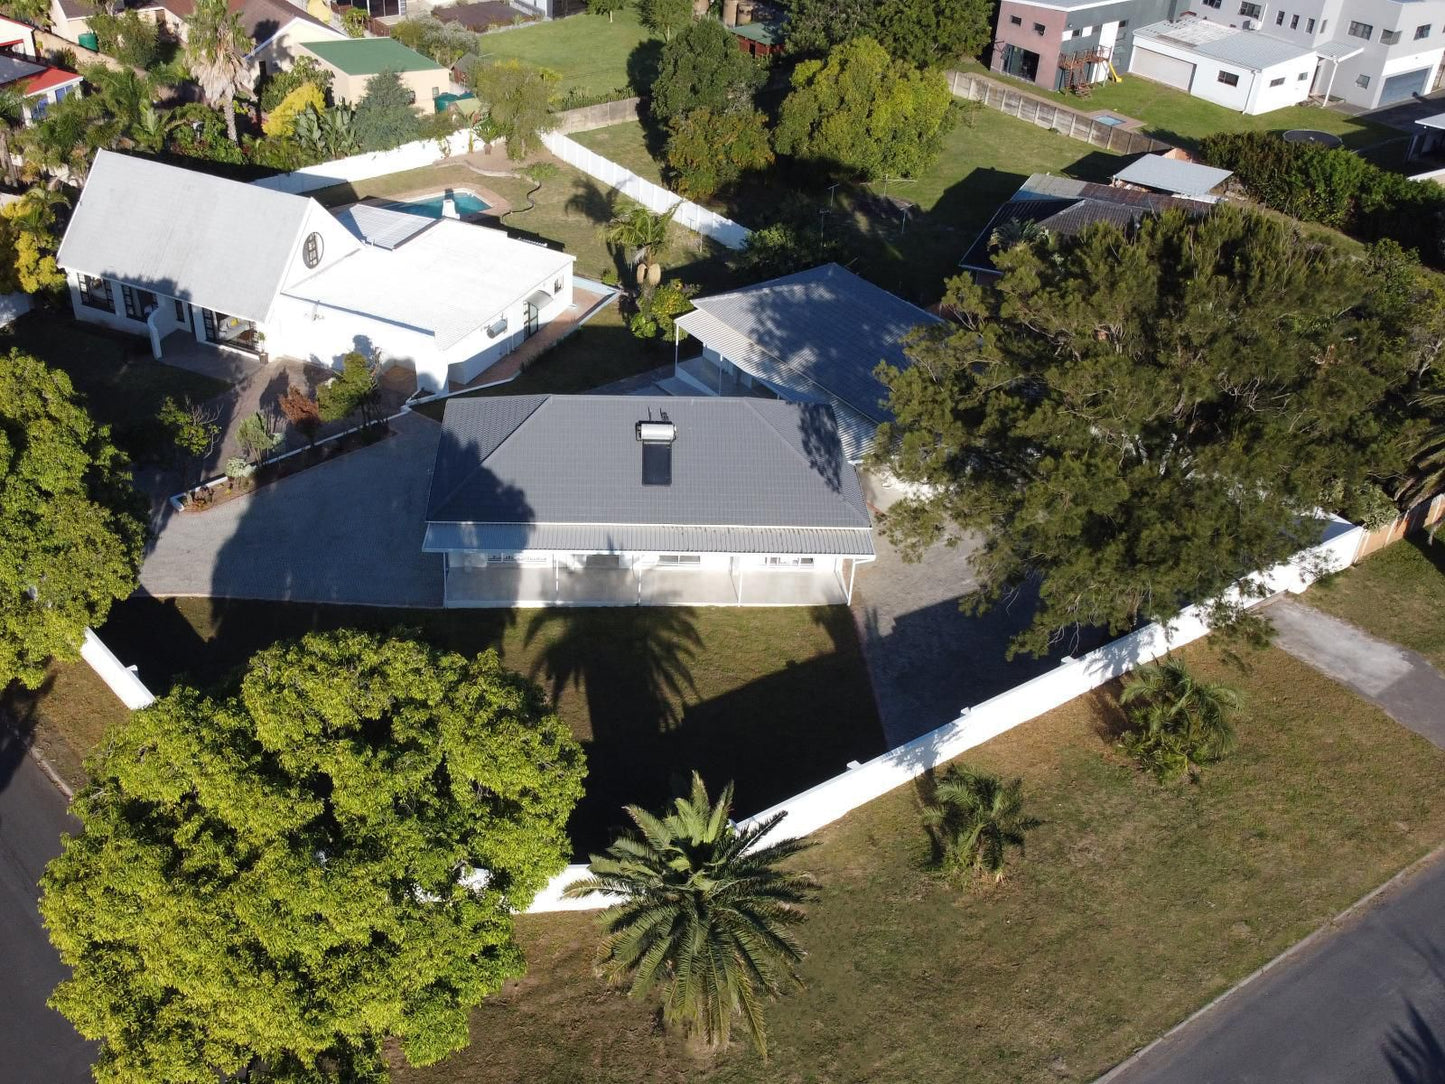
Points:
(1135, 904)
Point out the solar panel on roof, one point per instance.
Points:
(657, 464)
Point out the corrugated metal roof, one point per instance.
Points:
(575, 461)
(1435, 121)
(1173, 175)
(381, 226)
(633, 538)
(819, 332)
(1338, 50)
(1252, 49)
(219, 244)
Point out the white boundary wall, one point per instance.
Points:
(362, 167)
(654, 197)
(122, 681)
(831, 800)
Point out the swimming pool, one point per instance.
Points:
(1111, 120)
(468, 203)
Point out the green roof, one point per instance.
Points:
(367, 56)
(766, 33)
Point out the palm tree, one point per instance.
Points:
(1017, 231)
(705, 914)
(1428, 473)
(1178, 722)
(974, 818)
(12, 118)
(646, 235)
(216, 48)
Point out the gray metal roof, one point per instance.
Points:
(220, 244)
(1339, 50)
(381, 226)
(566, 469)
(1251, 49)
(1173, 175)
(819, 333)
(1437, 120)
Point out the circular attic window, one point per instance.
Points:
(311, 251)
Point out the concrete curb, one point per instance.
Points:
(50, 773)
(1330, 927)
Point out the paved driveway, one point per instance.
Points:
(929, 660)
(347, 531)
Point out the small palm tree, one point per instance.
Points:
(1017, 231)
(1177, 722)
(216, 48)
(646, 235)
(974, 818)
(705, 914)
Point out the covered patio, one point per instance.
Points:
(509, 585)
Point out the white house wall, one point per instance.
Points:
(1253, 93)
(472, 355)
(324, 336)
(281, 51)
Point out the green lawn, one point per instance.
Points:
(66, 717)
(1135, 904)
(589, 53)
(984, 160)
(122, 384)
(776, 699)
(1398, 594)
(1182, 119)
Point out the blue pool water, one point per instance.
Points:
(431, 206)
(1111, 121)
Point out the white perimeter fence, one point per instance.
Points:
(832, 799)
(654, 197)
(362, 167)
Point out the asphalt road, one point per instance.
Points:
(36, 1044)
(1363, 1004)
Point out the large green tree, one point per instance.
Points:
(706, 914)
(1132, 421)
(703, 68)
(707, 151)
(928, 33)
(665, 17)
(71, 527)
(328, 855)
(518, 98)
(862, 113)
(385, 116)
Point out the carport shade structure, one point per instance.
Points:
(539, 486)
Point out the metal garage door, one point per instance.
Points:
(1405, 85)
(1160, 68)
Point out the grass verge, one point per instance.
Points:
(776, 699)
(1135, 904)
(1398, 594)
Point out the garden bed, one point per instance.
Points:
(219, 491)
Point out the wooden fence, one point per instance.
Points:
(1425, 514)
(1069, 122)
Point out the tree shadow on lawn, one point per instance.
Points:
(1432, 550)
(632, 674)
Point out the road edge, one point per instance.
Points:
(50, 773)
(1329, 927)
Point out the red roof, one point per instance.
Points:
(49, 79)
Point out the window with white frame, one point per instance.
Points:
(1309, 26)
(1422, 31)
(1229, 79)
(789, 562)
(679, 559)
(1362, 81)
(1389, 37)
(1251, 11)
(1301, 77)
(1279, 18)
(1294, 22)
(1277, 82)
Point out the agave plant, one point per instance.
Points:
(705, 914)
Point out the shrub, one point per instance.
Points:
(126, 37)
(974, 818)
(1177, 722)
(353, 391)
(281, 121)
(1333, 186)
(708, 151)
(192, 428)
(276, 86)
(302, 411)
(257, 438)
(657, 307)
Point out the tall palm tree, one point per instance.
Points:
(216, 48)
(12, 118)
(1178, 722)
(705, 915)
(975, 817)
(646, 235)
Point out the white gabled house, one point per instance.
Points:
(161, 251)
